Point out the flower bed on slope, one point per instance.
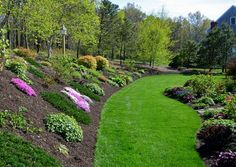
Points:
(217, 136)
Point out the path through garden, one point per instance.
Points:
(141, 127)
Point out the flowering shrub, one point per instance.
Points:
(102, 63)
(64, 125)
(225, 159)
(88, 61)
(81, 101)
(183, 94)
(23, 86)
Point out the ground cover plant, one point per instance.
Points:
(24, 87)
(17, 152)
(139, 125)
(63, 104)
(64, 125)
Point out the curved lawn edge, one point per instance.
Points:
(140, 126)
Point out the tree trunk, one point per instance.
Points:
(121, 55)
(112, 53)
(78, 48)
(49, 47)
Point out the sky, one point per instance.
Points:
(212, 9)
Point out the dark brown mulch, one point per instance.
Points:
(81, 154)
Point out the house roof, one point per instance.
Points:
(225, 18)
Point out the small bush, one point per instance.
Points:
(95, 88)
(219, 122)
(65, 126)
(76, 75)
(36, 72)
(118, 80)
(205, 100)
(84, 90)
(216, 114)
(214, 137)
(63, 104)
(102, 63)
(19, 67)
(23, 52)
(88, 61)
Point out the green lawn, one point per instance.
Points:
(141, 127)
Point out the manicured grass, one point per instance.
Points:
(63, 104)
(142, 127)
(16, 152)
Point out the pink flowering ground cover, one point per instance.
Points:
(81, 101)
(23, 86)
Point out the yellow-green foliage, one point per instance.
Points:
(102, 63)
(88, 61)
(23, 52)
(46, 63)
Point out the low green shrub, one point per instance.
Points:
(16, 152)
(63, 104)
(118, 80)
(216, 114)
(223, 122)
(33, 62)
(65, 126)
(206, 100)
(203, 85)
(102, 63)
(36, 72)
(198, 106)
(76, 75)
(95, 88)
(85, 91)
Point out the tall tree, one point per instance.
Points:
(154, 41)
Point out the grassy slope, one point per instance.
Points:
(141, 127)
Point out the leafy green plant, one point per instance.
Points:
(63, 149)
(4, 52)
(64, 66)
(65, 126)
(36, 72)
(120, 81)
(95, 88)
(17, 152)
(33, 62)
(205, 100)
(63, 104)
(46, 63)
(130, 64)
(203, 85)
(19, 67)
(17, 121)
(223, 122)
(84, 90)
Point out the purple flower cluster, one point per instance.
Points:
(180, 93)
(81, 101)
(23, 86)
(226, 159)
